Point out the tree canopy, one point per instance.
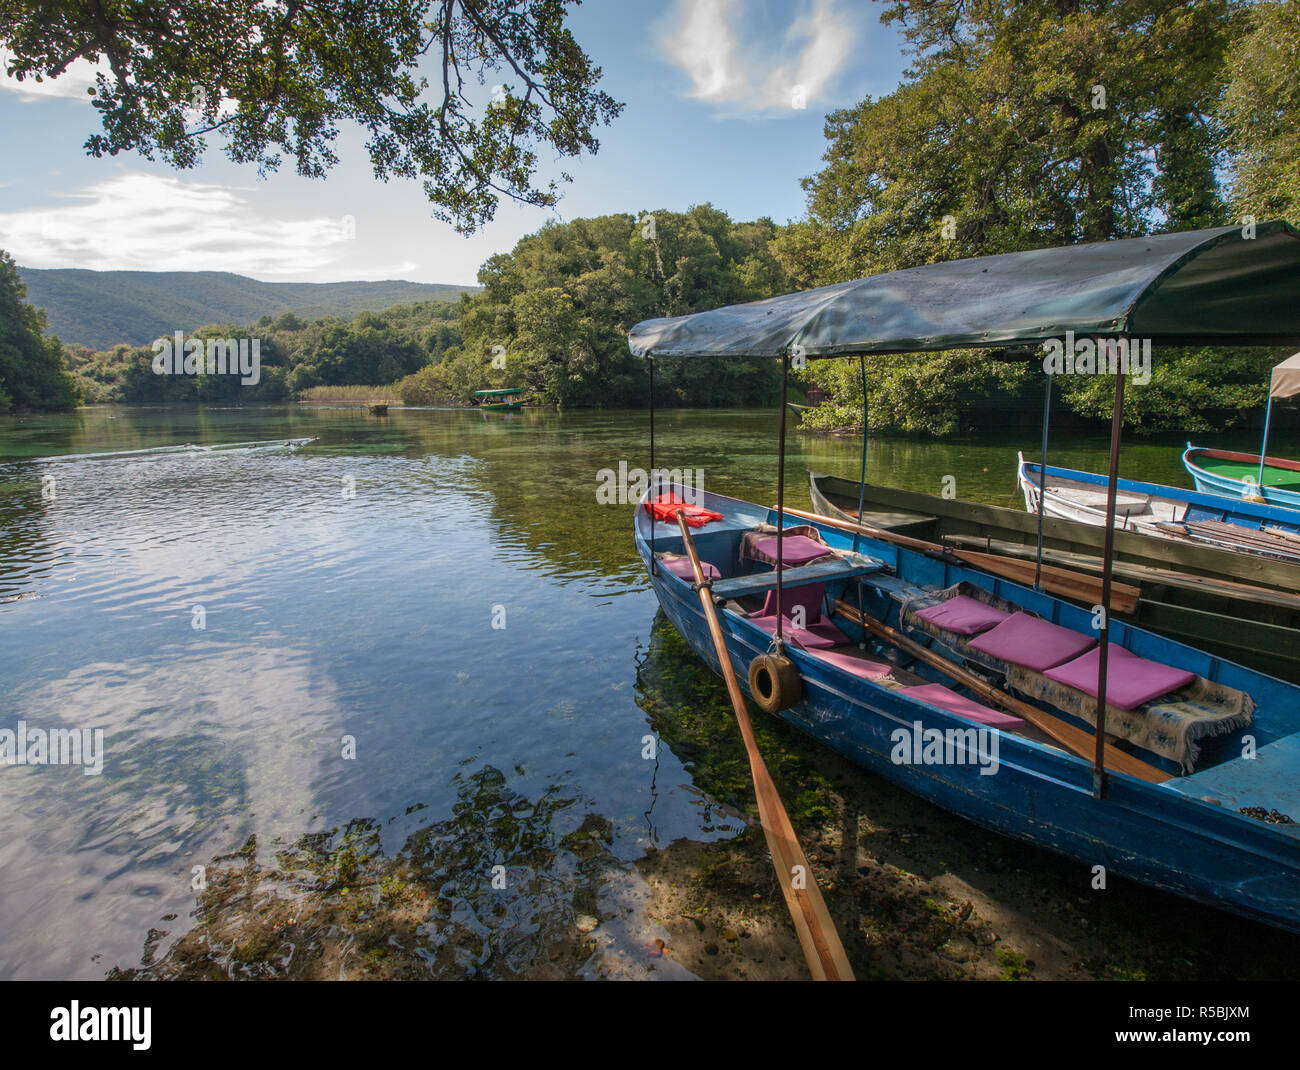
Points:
(1022, 125)
(554, 312)
(32, 370)
(277, 79)
(1261, 109)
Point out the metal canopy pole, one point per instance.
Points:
(1263, 450)
(862, 486)
(654, 561)
(1042, 483)
(862, 490)
(1108, 555)
(780, 497)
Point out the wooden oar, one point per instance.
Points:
(1073, 739)
(812, 921)
(1061, 582)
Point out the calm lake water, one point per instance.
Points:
(348, 668)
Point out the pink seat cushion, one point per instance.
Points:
(963, 615)
(863, 668)
(795, 550)
(1130, 680)
(819, 636)
(1032, 642)
(681, 566)
(809, 596)
(947, 699)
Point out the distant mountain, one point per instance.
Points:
(102, 308)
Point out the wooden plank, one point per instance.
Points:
(812, 921)
(1073, 739)
(1058, 581)
(820, 572)
(1140, 574)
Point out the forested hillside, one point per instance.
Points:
(99, 309)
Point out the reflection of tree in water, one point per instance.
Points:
(333, 905)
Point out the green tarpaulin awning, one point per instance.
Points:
(1196, 287)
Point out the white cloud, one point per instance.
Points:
(148, 222)
(748, 74)
(73, 83)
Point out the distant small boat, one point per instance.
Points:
(506, 400)
(1154, 509)
(1237, 475)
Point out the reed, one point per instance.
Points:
(351, 395)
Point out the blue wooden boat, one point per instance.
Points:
(1247, 477)
(1186, 834)
(1198, 791)
(1244, 526)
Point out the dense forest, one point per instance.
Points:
(1017, 126)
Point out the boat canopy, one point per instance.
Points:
(1204, 287)
(498, 393)
(1285, 381)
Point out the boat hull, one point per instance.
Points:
(1041, 795)
(1209, 482)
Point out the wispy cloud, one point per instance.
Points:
(148, 222)
(732, 66)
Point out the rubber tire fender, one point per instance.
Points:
(774, 683)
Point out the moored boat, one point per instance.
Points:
(1246, 527)
(1253, 477)
(1242, 476)
(1186, 829)
(1051, 721)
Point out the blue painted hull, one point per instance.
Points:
(1145, 832)
(1281, 502)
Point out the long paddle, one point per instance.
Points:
(1062, 582)
(1073, 739)
(812, 921)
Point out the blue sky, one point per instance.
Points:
(710, 88)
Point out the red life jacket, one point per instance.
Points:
(666, 507)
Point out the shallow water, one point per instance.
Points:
(425, 622)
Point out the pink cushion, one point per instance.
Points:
(681, 566)
(1032, 642)
(864, 668)
(809, 596)
(963, 615)
(817, 636)
(1130, 680)
(946, 699)
(795, 549)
